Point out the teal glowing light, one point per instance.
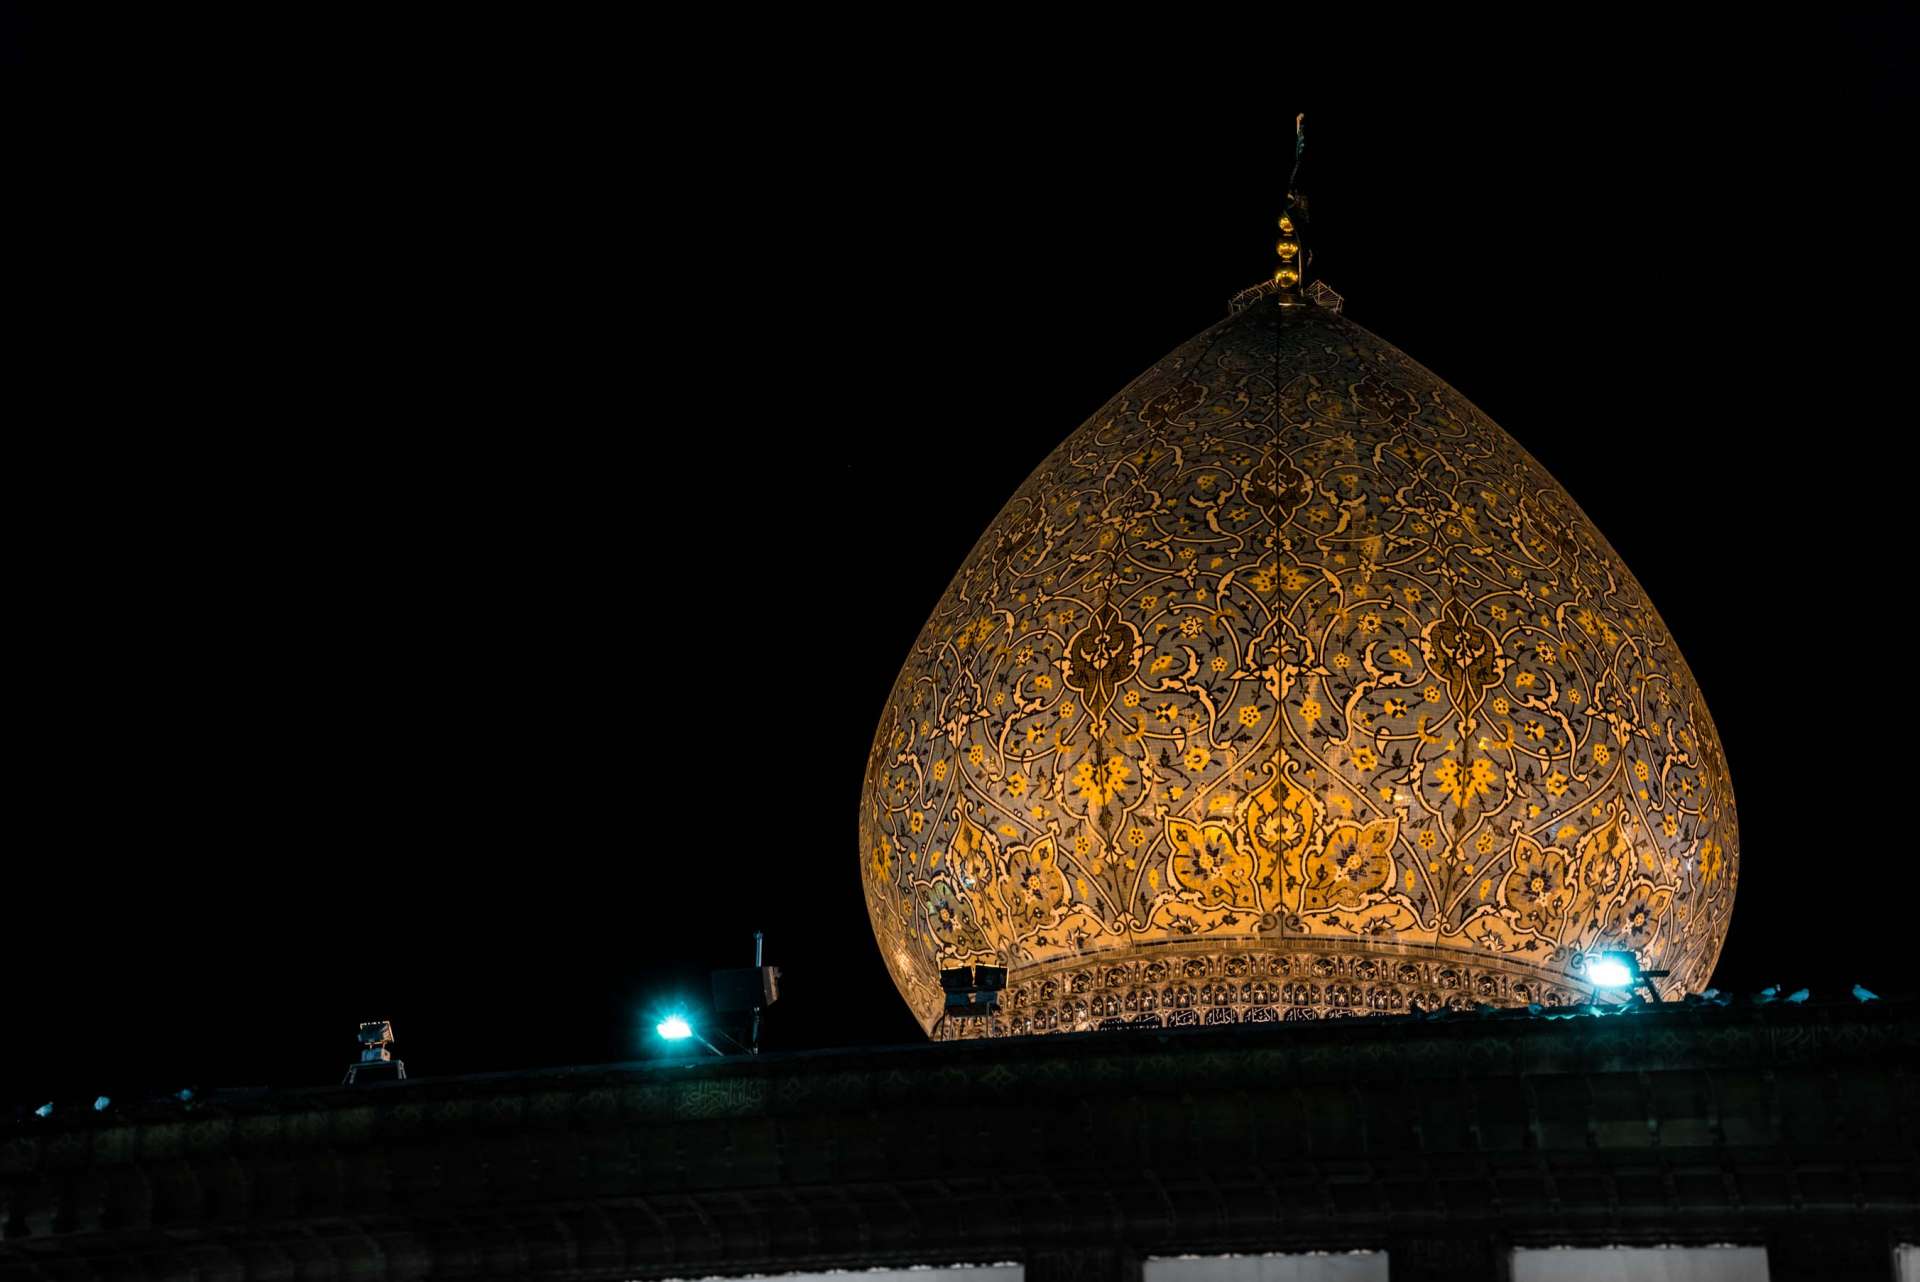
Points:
(674, 1028)
(1611, 970)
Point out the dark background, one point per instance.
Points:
(481, 478)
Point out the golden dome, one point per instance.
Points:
(1291, 686)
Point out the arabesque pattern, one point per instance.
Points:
(1290, 649)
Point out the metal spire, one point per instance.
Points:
(1290, 275)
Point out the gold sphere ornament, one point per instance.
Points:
(1290, 686)
(1286, 278)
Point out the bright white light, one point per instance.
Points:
(674, 1028)
(1609, 970)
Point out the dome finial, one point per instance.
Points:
(1289, 277)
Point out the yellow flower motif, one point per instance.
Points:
(939, 770)
(1400, 656)
(1292, 580)
(1431, 694)
(1640, 770)
(1135, 836)
(1080, 844)
(1557, 784)
(1523, 680)
(1464, 785)
(1161, 664)
(1206, 861)
(1427, 840)
(1197, 758)
(1369, 623)
(1396, 707)
(1017, 784)
(1066, 708)
(1412, 594)
(1536, 731)
(1218, 663)
(999, 699)
(1043, 682)
(1712, 858)
(1309, 710)
(916, 821)
(1363, 758)
(1342, 659)
(1100, 784)
(1249, 715)
(977, 754)
(1131, 699)
(1601, 754)
(1500, 706)
(1670, 825)
(1484, 842)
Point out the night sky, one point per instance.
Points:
(486, 481)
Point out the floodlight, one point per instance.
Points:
(973, 992)
(1620, 971)
(1611, 970)
(375, 1038)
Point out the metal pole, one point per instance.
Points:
(759, 942)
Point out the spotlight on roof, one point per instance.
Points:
(375, 1038)
(1619, 972)
(973, 992)
(1610, 970)
(677, 1028)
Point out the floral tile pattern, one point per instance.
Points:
(1288, 649)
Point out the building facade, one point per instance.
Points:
(1444, 1141)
